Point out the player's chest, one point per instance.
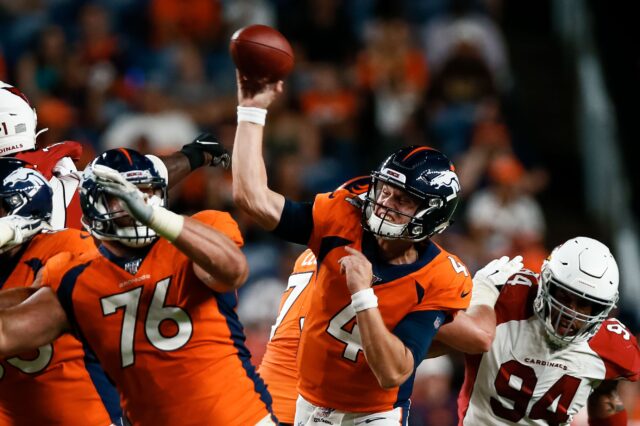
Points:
(395, 298)
(525, 378)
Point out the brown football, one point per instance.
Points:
(261, 53)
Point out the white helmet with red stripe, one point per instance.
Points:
(17, 121)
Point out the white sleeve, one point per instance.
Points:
(160, 167)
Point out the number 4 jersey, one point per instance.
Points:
(523, 380)
(174, 347)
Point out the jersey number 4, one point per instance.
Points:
(156, 314)
(557, 398)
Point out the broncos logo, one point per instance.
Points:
(24, 179)
(441, 179)
(22, 186)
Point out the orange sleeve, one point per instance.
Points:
(447, 289)
(329, 212)
(55, 268)
(222, 222)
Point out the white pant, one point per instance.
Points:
(266, 421)
(308, 414)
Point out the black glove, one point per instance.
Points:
(206, 143)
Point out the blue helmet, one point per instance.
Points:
(429, 177)
(99, 218)
(24, 191)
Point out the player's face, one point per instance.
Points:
(392, 201)
(115, 205)
(566, 326)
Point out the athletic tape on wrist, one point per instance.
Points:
(166, 223)
(364, 299)
(252, 115)
(484, 293)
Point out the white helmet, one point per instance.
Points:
(586, 269)
(17, 121)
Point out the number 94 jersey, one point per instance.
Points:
(523, 380)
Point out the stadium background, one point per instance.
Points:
(534, 102)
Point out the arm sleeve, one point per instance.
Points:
(296, 222)
(417, 330)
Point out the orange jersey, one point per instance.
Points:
(174, 347)
(52, 385)
(333, 370)
(279, 365)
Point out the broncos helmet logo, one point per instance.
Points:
(441, 179)
(27, 192)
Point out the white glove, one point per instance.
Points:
(15, 230)
(495, 273)
(142, 207)
(134, 201)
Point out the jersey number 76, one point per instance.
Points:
(156, 314)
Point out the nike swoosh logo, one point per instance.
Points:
(375, 419)
(465, 294)
(84, 236)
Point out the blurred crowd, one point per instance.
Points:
(370, 76)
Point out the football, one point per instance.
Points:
(261, 53)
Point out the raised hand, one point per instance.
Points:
(495, 273)
(357, 269)
(134, 201)
(206, 150)
(257, 94)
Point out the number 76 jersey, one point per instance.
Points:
(523, 380)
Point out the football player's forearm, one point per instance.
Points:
(388, 358)
(178, 167)
(250, 190)
(14, 296)
(37, 321)
(470, 332)
(215, 253)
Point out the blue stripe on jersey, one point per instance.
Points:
(35, 264)
(296, 222)
(226, 305)
(65, 291)
(10, 265)
(416, 331)
(108, 393)
(329, 243)
(103, 384)
(387, 272)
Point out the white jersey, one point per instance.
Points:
(522, 380)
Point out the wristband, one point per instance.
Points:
(364, 299)
(252, 115)
(194, 155)
(166, 223)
